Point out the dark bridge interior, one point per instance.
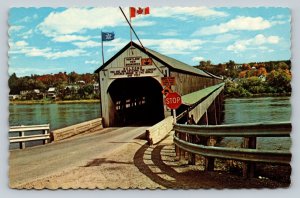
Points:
(138, 101)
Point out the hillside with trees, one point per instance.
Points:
(256, 78)
(59, 86)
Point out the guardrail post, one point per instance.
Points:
(177, 149)
(210, 161)
(192, 156)
(22, 144)
(249, 167)
(45, 133)
(183, 136)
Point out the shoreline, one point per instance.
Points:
(29, 102)
(263, 95)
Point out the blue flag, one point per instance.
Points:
(108, 36)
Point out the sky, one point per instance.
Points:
(52, 40)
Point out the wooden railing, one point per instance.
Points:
(22, 130)
(185, 141)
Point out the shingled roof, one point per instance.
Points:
(169, 62)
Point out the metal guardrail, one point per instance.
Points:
(22, 138)
(242, 154)
(279, 129)
(253, 130)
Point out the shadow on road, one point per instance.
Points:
(158, 165)
(100, 161)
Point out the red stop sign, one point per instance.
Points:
(173, 100)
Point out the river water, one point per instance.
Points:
(242, 110)
(58, 115)
(264, 109)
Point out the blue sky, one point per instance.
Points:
(52, 40)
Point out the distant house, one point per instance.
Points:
(24, 92)
(51, 93)
(96, 87)
(36, 91)
(14, 97)
(71, 89)
(262, 77)
(80, 82)
(237, 66)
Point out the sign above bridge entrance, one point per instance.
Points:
(167, 81)
(173, 100)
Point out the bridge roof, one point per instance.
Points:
(197, 96)
(167, 61)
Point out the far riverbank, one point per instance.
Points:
(53, 101)
(261, 95)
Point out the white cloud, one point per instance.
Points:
(198, 59)
(143, 23)
(69, 38)
(164, 46)
(92, 62)
(279, 16)
(174, 46)
(74, 20)
(118, 43)
(15, 28)
(77, 19)
(224, 38)
(27, 34)
(169, 33)
(21, 43)
(28, 18)
(87, 44)
(255, 43)
(184, 12)
(280, 22)
(21, 47)
(239, 23)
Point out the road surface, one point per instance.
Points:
(41, 161)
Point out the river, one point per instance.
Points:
(58, 115)
(241, 110)
(264, 109)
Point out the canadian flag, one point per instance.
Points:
(138, 11)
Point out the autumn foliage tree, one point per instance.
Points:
(59, 81)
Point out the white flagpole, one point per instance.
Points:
(102, 48)
(130, 24)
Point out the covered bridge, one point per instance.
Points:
(131, 89)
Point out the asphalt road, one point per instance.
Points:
(37, 162)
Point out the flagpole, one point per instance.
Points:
(102, 48)
(129, 27)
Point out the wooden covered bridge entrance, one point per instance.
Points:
(131, 90)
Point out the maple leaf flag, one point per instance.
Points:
(138, 11)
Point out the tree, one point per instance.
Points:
(280, 80)
(73, 77)
(230, 65)
(246, 67)
(13, 83)
(283, 66)
(261, 71)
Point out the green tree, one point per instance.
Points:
(280, 80)
(283, 66)
(13, 83)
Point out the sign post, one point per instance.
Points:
(173, 101)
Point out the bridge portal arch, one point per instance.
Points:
(136, 100)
